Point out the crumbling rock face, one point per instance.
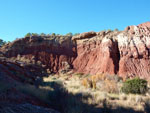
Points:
(97, 55)
(134, 48)
(50, 51)
(115, 52)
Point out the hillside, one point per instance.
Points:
(75, 74)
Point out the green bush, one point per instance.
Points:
(35, 34)
(2, 42)
(116, 29)
(53, 34)
(76, 34)
(28, 35)
(43, 34)
(135, 86)
(31, 34)
(69, 34)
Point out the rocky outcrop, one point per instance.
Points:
(134, 48)
(98, 54)
(115, 52)
(49, 51)
(20, 71)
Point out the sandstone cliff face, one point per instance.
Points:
(98, 54)
(134, 47)
(51, 52)
(125, 53)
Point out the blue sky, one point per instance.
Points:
(18, 17)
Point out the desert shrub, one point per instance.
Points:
(53, 34)
(2, 42)
(87, 83)
(76, 34)
(69, 34)
(135, 86)
(31, 34)
(35, 34)
(43, 34)
(103, 82)
(109, 30)
(116, 29)
(28, 35)
(110, 86)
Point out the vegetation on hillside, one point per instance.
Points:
(72, 97)
(51, 34)
(81, 93)
(2, 42)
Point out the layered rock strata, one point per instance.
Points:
(126, 53)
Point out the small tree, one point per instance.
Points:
(35, 34)
(76, 34)
(43, 34)
(48, 34)
(116, 29)
(2, 42)
(69, 34)
(53, 34)
(28, 35)
(109, 30)
(135, 86)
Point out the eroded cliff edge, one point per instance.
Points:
(126, 53)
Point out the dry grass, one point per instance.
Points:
(80, 85)
(103, 82)
(108, 91)
(110, 86)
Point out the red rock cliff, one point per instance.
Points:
(134, 47)
(116, 52)
(50, 51)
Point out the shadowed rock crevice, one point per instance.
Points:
(116, 57)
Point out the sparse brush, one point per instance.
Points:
(103, 82)
(110, 86)
(87, 83)
(84, 83)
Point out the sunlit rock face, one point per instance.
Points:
(134, 48)
(98, 54)
(125, 53)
